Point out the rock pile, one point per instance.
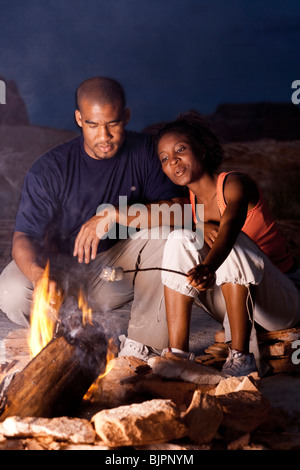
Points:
(143, 406)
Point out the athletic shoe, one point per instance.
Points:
(129, 347)
(239, 364)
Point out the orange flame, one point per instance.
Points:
(86, 310)
(111, 354)
(44, 315)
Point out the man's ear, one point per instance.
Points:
(78, 117)
(126, 116)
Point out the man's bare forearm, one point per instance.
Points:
(26, 252)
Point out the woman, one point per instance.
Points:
(241, 274)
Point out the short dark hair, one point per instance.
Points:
(203, 139)
(102, 90)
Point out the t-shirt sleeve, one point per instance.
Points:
(37, 206)
(158, 186)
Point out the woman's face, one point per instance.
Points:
(178, 159)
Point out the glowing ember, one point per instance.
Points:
(112, 351)
(43, 315)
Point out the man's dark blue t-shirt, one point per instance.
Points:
(64, 187)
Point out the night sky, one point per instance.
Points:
(170, 55)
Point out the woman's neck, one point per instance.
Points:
(205, 188)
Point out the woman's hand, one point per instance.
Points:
(211, 231)
(201, 277)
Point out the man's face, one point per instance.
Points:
(103, 128)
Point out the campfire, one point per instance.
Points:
(74, 391)
(68, 352)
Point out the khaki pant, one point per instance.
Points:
(148, 317)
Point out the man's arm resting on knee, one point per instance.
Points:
(149, 215)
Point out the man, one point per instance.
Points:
(58, 214)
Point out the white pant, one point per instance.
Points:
(277, 300)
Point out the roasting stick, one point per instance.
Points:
(117, 274)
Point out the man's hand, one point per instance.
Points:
(53, 290)
(90, 234)
(201, 277)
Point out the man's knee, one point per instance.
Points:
(15, 295)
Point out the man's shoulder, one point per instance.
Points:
(139, 147)
(58, 154)
(133, 138)
(65, 148)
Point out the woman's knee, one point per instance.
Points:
(15, 295)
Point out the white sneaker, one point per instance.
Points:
(129, 347)
(239, 364)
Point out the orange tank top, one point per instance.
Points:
(260, 226)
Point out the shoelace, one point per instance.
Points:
(231, 362)
(139, 348)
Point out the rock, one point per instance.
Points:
(144, 423)
(227, 385)
(74, 430)
(235, 384)
(203, 418)
(244, 411)
(278, 441)
(239, 443)
(282, 391)
(14, 111)
(249, 383)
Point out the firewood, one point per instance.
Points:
(290, 334)
(131, 380)
(218, 350)
(54, 382)
(283, 364)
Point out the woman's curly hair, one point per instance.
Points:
(204, 141)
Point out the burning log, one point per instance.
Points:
(54, 382)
